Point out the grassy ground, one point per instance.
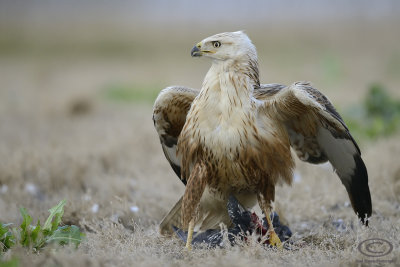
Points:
(76, 124)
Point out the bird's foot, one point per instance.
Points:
(274, 240)
(188, 247)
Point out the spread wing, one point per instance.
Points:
(169, 116)
(318, 134)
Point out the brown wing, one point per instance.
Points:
(306, 147)
(318, 133)
(169, 116)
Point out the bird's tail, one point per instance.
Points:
(173, 218)
(207, 218)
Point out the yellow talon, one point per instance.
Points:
(188, 246)
(274, 240)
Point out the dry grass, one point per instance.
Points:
(61, 139)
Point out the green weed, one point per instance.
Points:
(378, 115)
(131, 93)
(37, 236)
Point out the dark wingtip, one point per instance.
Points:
(358, 191)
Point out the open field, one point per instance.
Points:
(75, 123)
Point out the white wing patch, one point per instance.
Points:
(340, 153)
(171, 154)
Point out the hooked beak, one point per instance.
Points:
(196, 52)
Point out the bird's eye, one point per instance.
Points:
(216, 44)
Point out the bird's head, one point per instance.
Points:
(225, 46)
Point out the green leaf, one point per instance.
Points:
(37, 237)
(54, 218)
(26, 219)
(3, 229)
(25, 227)
(66, 235)
(7, 240)
(35, 233)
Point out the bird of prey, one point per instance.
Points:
(233, 137)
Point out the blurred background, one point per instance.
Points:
(69, 52)
(132, 49)
(78, 80)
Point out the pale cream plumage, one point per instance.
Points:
(234, 136)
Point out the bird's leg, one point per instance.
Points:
(273, 237)
(265, 200)
(190, 235)
(191, 199)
